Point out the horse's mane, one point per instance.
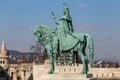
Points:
(43, 28)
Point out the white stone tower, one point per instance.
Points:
(3, 56)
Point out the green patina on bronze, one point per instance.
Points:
(62, 42)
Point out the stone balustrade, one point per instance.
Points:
(105, 72)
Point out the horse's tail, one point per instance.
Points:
(90, 47)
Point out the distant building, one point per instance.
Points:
(3, 62)
(13, 68)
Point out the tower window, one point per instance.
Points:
(0, 62)
(3, 62)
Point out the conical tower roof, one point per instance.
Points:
(3, 51)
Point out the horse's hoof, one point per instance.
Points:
(91, 66)
(83, 72)
(50, 72)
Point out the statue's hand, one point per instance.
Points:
(53, 15)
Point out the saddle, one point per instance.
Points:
(71, 40)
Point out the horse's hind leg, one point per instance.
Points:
(83, 58)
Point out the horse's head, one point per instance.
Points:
(40, 32)
(37, 33)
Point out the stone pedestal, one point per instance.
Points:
(61, 73)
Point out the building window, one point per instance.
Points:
(3, 62)
(0, 62)
(12, 75)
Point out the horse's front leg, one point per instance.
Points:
(51, 64)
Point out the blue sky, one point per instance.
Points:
(100, 18)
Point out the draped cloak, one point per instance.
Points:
(66, 41)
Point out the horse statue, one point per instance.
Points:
(63, 42)
(74, 42)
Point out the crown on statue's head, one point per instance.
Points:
(65, 6)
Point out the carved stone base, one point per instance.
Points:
(67, 76)
(61, 73)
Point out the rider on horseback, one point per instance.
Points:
(63, 26)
